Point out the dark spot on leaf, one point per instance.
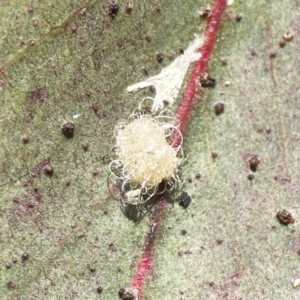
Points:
(30, 9)
(8, 265)
(183, 232)
(214, 155)
(284, 217)
(35, 23)
(253, 163)
(91, 268)
(204, 13)
(10, 285)
(128, 7)
(126, 295)
(85, 146)
(26, 138)
(250, 176)
(159, 56)
(68, 129)
(220, 241)
(282, 43)
(112, 247)
(184, 200)
(99, 289)
(198, 175)
(207, 81)
(148, 38)
(38, 94)
(238, 18)
(219, 108)
(111, 8)
(24, 256)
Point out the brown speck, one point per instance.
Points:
(24, 256)
(95, 173)
(250, 176)
(8, 265)
(30, 9)
(128, 7)
(68, 129)
(105, 212)
(83, 11)
(253, 163)
(35, 23)
(126, 295)
(30, 43)
(91, 268)
(284, 217)
(288, 37)
(47, 168)
(80, 235)
(111, 8)
(74, 28)
(112, 247)
(272, 53)
(214, 155)
(95, 107)
(157, 8)
(198, 175)
(253, 52)
(152, 88)
(282, 43)
(99, 289)
(159, 56)
(224, 61)
(183, 232)
(181, 50)
(220, 241)
(148, 38)
(268, 130)
(10, 285)
(219, 108)
(67, 182)
(88, 93)
(82, 42)
(204, 13)
(207, 81)
(190, 180)
(14, 260)
(238, 18)
(145, 70)
(85, 146)
(26, 138)
(184, 200)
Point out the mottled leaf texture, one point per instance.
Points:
(64, 70)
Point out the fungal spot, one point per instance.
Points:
(128, 7)
(204, 13)
(183, 232)
(99, 289)
(68, 129)
(272, 53)
(207, 81)
(24, 256)
(238, 18)
(181, 50)
(184, 200)
(253, 163)
(282, 43)
(8, 265)
(10, 285)
(111, 8)
(148, 38)
(126, 295)
(30, 9)
(219, 108)
(159, 56)
(198, 175)
(26, 138)
(284, 217)
(157, 8)
(250, 176)
(85, 146)
(35, 23)
(214, 155)
(91, 268)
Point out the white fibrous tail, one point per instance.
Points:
(168, 82)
